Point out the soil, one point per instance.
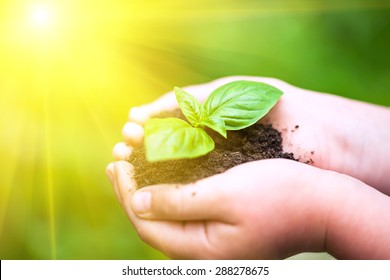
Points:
(253, 143)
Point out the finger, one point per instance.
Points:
(142, 113)
(122, 151)
(133, 133)
(175, 239)
(111, 176)
(282, 85)
(139, 114)
(154, 233)
(167, 102)
(124, 173)
(125, 184)
(198, 201)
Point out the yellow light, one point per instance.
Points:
(41, 16)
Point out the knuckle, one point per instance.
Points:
(168, 202)
(176, 204)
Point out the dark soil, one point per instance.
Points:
(253, 143)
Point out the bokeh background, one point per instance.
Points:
(70, 70)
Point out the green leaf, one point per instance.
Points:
(241, 103)
(190, 107)
(172, 138)
(215, 123)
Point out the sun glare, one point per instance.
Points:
(41, 16)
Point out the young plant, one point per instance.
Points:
(233, 106)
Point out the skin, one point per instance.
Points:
(275, 208)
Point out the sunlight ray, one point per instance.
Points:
(12, 138)
(213, 12)
(49, 178)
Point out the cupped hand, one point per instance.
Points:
(322, 130)
(272, 208)
(248, 212)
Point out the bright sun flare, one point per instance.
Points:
(41, 16)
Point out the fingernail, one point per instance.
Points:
(142, 202)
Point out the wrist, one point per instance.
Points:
(357, 143)
(325, 194)
(314, 200)
(356, 225)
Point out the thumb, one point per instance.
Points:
(197, 201)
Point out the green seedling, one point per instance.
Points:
(233, 106)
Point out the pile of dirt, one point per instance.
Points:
(253, 143)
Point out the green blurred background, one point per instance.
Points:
(70, 71)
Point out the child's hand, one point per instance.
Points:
(274, 208)
(268, 209)
(325, 131)
(250, 211)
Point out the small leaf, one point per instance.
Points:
(215, 123)
(241, 103)
(172, 138)
(190, 107)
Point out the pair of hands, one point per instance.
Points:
(273, 208)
